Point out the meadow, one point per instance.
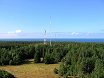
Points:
(31, 70)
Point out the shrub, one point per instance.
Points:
(37, 57)
(49, 59)
(55, 71)
(89, 66)
(5, 74)
(62, 69)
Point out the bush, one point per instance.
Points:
(62, 69)
(10, 57)
(37, 57)
(5, 74)
(89, 66)
(55, 71)
(49, 59)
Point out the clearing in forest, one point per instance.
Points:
(31, 70)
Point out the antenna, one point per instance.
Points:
(45, 38)
(50, 42)
(50, 25)
(50, 20)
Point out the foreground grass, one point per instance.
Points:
(31, 70)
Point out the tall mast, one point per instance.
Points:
(50, 27)
(45, 38)
(50, 20)
(50, 42)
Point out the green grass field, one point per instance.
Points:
(31, 70)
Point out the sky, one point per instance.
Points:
(60, 18)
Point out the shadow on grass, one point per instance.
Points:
(28, 61)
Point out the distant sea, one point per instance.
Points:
(58, 39)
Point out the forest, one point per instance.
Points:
(81, 59)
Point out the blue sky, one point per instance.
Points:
(69, 18)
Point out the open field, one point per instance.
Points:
(31, 70)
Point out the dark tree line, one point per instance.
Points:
(14, 53)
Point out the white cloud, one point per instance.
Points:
(15, 32)
(74, 33)
(88, 33)
(77, 33)
(10, 32)
(18, 31)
